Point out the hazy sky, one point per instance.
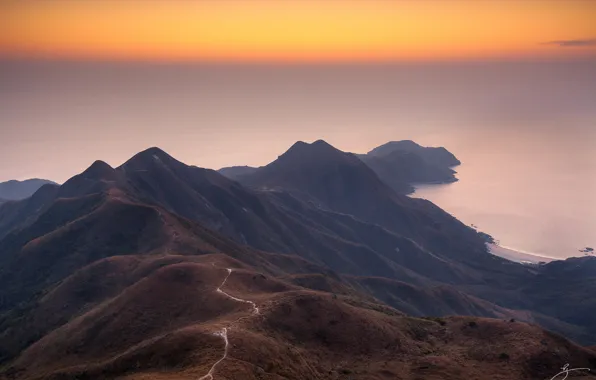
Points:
(297, 30)
(508, 86)
(86, 80)
(56, 118)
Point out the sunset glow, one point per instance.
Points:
(254, 30)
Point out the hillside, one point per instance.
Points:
(402, 170)
(17, 190)
(186, 317)
(141, 271)
(400, 164)
(341, 182)
(236, 172)
(437, 156)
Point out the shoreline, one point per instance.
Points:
(518, 255)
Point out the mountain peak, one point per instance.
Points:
(321, 143)
(150, 156)
(154, 153)
(98, 170)
(154, 150)
(316, 150)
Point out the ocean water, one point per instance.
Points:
(533, 193)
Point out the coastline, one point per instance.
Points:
(517, 255)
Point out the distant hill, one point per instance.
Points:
(403, 164)
(438, 156)
(16, 190)
(235, 172)
(400, 164)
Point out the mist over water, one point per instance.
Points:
(533, 193)
(525, 131)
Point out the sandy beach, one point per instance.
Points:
(519, 256)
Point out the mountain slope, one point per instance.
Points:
(159, 317)
(118, 271)
(17, 190)
(341, 182)
(401, 170)
(439, 157)
(403, 164)
(236, 172)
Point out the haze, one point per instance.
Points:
(509, 87)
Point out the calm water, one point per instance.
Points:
(533, 193)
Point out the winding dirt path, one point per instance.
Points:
(223, 333)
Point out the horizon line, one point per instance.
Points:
(294, 62)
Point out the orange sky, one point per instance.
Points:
(294, 30)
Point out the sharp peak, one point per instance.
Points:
(154, 151)
(150, 153)
(100, 164)
(151, 156)
(98, 169)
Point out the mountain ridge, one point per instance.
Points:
(117, 271)
(16, 190)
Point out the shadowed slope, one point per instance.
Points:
(343, 183)
(17, 190)
(163, 325)
(401, 170)
(119, 277)
(236, 172)
(439, 157)
(273, 221)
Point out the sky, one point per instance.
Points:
(297, 30)
(225, 82)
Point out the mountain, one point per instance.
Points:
(235, 172)
(400, 164)
(341, 182)
(16, 190)
(437, 156)
(184, 317)
(157, 269)
(403, 164)
(401, 170)
(448, 251)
